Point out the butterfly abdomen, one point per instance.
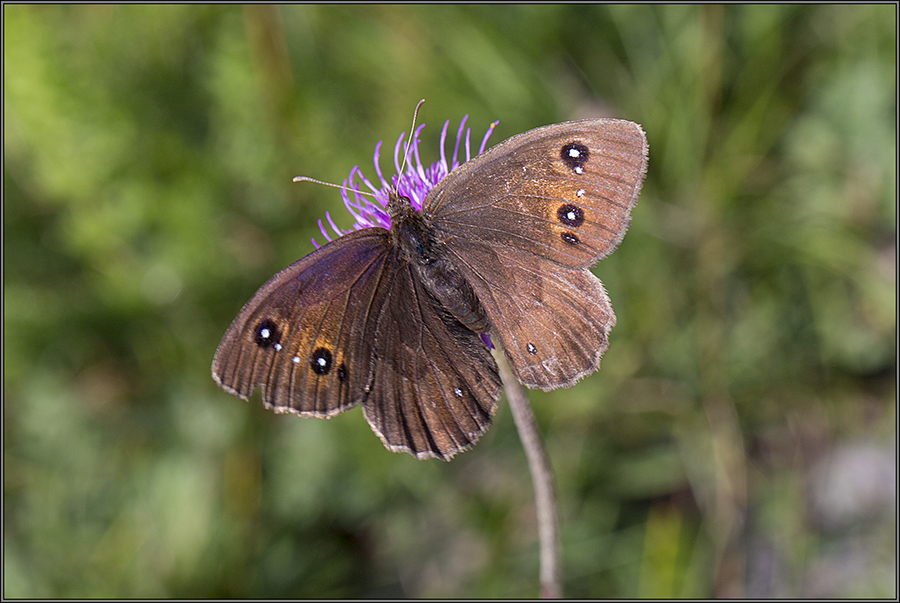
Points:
(454, 294)
(449, 288)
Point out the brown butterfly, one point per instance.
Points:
(391, 318)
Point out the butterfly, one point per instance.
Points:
(391, 319)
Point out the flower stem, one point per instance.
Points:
(542, 478)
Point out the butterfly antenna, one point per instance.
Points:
(412, 131)
(402, 165)
(340, 186)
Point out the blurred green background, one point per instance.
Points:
(739, 439)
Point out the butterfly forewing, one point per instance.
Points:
(563, 192)
(301, 336)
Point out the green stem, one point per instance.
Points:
(542, 478)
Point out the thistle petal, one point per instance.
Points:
(415, 182)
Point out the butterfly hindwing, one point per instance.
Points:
(436, 385)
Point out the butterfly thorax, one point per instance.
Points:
(414, 236)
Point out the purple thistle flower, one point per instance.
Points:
(414, 182)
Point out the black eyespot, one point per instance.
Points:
(531, 349)
(570, 215)
(342, 372)
(570, 238)
(267, 334)
(320, 361)
(575, 155)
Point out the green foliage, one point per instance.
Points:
(149, 152)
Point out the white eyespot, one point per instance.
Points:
(579, 192)
(573, 152)
(579, 169)
(264, 333)
(277, 347)
(458, 392)
(296, 359)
